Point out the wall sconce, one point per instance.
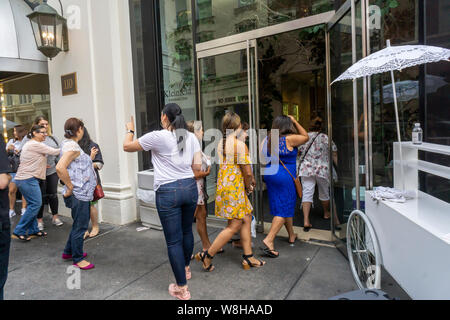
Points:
(49, 29)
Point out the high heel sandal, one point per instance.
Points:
(201, 256)
(247, 264)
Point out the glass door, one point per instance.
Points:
(227, 82)
(347, 118)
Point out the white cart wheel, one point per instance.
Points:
(363, 251)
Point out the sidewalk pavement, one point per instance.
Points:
(132, 265)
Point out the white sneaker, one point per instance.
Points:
(12, 213)
(41, 226)
(57, 222)
(23, 211)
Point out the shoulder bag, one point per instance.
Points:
(98, 193)
(14, 160)
(297, 183)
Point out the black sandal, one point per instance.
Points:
(21, 238)
(269, 252)
(293, 242)
(40, 234)
(201, 256)
(247, 264)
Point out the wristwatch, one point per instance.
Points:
(130, 131)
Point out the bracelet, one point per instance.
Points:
(130, 131)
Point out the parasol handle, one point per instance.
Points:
(388, 44)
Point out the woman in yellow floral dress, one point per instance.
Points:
(235, 181)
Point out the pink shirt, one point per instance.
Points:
(33, 160)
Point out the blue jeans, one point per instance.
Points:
(176, 203)
(5, 241)
(81, 211)
(30, 190)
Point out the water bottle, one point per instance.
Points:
(417, 134)
(253, 227)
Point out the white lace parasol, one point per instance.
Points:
(390, 59)
(394, 58)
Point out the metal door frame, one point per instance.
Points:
(248, 40)
(253, 103)
(350, 6)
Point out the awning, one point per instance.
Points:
(18, 52)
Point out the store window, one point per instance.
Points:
(245, 3)
(163, 61)
(23, 109)
(435, 111)
(204, 9)
(226, 17)
(182, 13)
(178, 56)
(412, 22)
(342, 115)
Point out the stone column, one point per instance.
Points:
(100, 54)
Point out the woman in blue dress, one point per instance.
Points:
(280, 185)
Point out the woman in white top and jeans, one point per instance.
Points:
(32, 169)
(176, 155)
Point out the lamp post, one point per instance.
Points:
(49, 29)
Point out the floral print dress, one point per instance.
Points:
(316, 162)
(231, 198)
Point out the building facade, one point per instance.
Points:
(258, 58)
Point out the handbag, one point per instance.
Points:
(98, 192)
(297, 183)
(14, 160)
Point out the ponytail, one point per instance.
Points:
(177, 123)
(71, 127)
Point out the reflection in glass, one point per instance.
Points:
(436, 119)
(163, 62)
(223, 88)
(423, 90)
(22, 109)
(292, 82)
(222, 18)
(178, 55)
(343, 188)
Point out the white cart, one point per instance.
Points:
(411, 240)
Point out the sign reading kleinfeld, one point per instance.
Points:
(179, 89)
